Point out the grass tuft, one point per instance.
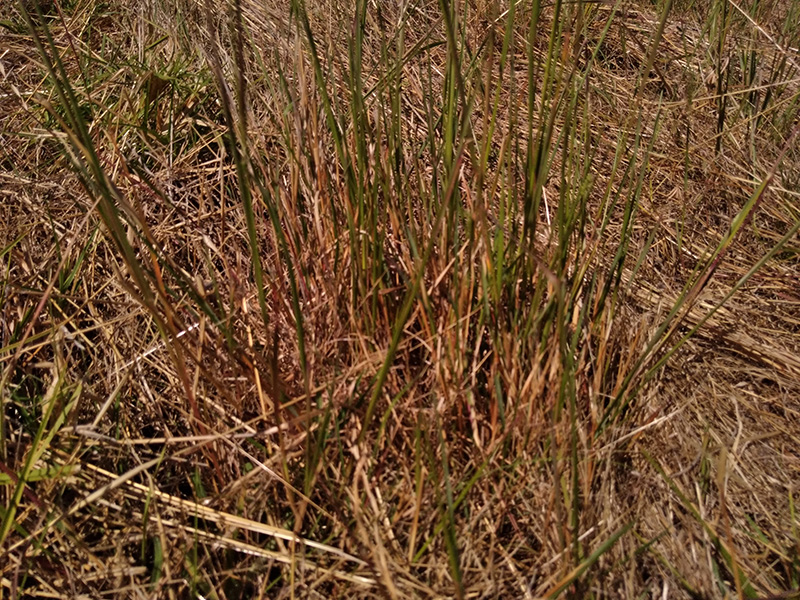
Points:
(399, 299)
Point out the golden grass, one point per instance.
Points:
(527, 327)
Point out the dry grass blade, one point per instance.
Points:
(199, 510)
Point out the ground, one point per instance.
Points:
(400, 299)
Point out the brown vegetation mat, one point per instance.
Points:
(181, 435)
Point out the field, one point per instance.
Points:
(400, 299)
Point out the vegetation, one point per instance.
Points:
(400, 298)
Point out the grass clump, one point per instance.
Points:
(406, 299)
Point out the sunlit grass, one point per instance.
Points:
(384, 299)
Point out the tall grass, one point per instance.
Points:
(445, 217)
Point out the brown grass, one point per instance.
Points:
(432, 393)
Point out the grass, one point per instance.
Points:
(399, 299)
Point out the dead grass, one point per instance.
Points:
(400, 300)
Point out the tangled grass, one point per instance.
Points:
(400, 299)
